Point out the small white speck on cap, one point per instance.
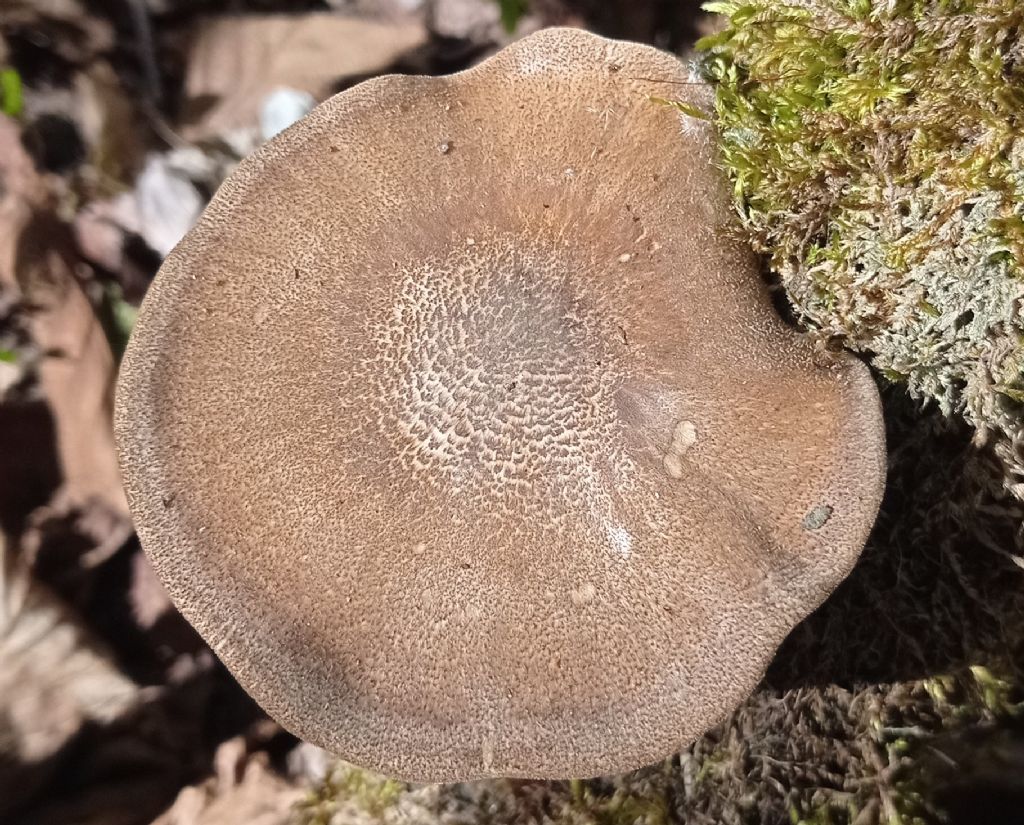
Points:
(487, 750)
(620, 540)
(684, 436)
(673, 465)
(583, 594)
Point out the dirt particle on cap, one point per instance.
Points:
(684, 436)
(816, 517)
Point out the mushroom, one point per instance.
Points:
(463, 429)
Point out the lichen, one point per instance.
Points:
(877, 155)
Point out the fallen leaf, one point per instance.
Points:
(53, 678)
(235, 62)
(76, 370)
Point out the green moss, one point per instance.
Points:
(511, 12)
(349, 793)
(11, 93)
(598, 803)
(117, 317)
(877, 155)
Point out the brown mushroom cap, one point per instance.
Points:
(464, 431)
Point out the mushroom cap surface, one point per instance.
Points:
(462, 428)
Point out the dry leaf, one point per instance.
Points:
(235, 62)
(76, 371)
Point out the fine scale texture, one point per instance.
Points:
(463, 430)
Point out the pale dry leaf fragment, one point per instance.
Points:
(236, 61)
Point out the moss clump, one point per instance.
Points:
(877, 152)
(349, 794)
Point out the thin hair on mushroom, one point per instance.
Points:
(463, 429)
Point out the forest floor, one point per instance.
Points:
(898, 701)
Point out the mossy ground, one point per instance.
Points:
(877, 154)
